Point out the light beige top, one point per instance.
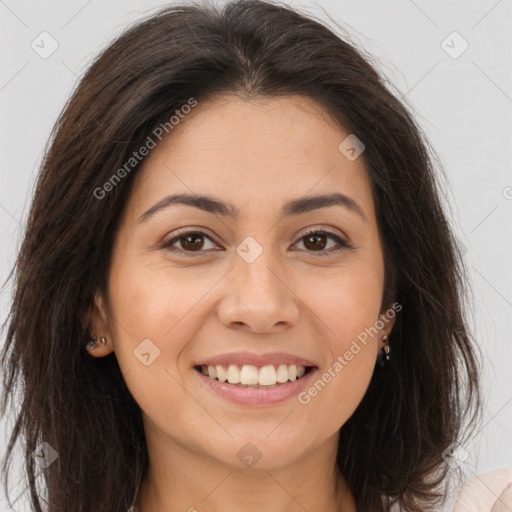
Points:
(489, 492)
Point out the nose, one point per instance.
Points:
(259, 297)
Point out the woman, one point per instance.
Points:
(235, 220)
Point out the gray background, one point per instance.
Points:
(464, 104)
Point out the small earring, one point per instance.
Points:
(92, 343)
(383, 357)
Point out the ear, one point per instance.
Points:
(95, 321)
(388, 317)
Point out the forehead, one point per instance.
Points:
(254, 153)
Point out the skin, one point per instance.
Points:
(256, 154)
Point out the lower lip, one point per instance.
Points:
(262, 396)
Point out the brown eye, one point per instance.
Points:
(316, 242)
(190, 241)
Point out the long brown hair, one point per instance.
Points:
(391, 449)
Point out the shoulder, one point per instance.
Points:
(488, 492)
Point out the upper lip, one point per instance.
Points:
(241, 358)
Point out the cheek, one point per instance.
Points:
(152, 321)
(347, 300)
(152, 302)
(348, 307)
(340, 386)
(147, 312)
(155, 314)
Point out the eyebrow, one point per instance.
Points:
(292, 207)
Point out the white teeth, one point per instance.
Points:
(221, 373)
(282, 373)
(212, 372)
(233, 374)
(267, 375)
(250, 375)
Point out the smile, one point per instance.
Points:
(255, 386)
(254, 376)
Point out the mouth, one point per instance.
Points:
(255, 377)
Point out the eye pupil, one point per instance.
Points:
(192, 245)
(315, 237)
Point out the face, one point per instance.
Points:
(249, 286)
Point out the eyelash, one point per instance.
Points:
(342, 243)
